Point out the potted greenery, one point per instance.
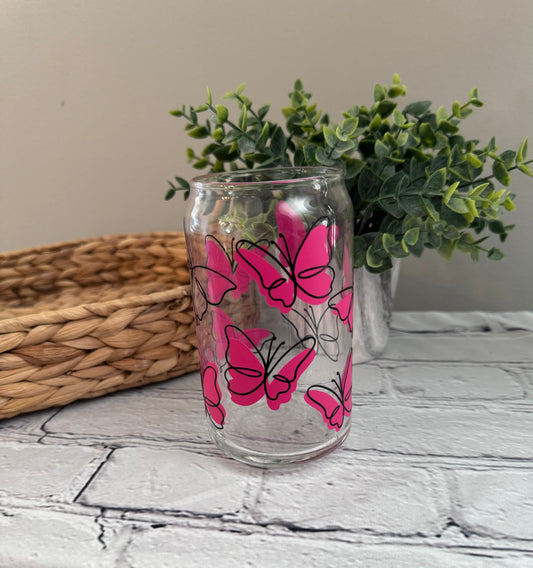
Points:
(414, 180)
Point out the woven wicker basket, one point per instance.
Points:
(85, 318)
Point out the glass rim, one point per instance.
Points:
(273, 176)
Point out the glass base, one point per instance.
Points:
(273, 460)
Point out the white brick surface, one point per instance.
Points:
(53, 472)
(25, 424)
(340, 494)
(436, 473)
(140, 478)
(513, 347)
(142, 413)
(198, 548)
(499, 503)
(367, 381)
(474, 432)
(456, 382)
(37, 539)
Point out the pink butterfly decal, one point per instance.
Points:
(342, 303)
(333, 403)
(221, 323)
(255, 372)
(212, 396)
(219, 276)
(298, 267)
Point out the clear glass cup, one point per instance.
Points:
(270, 253)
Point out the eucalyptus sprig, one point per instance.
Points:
(414, 180)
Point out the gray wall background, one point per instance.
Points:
(87, 144)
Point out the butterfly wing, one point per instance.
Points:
(280, 386)
(328, 403)
(212, 396)
(344, 306)
(273, 279)
(245, 374)
(325, 330)
(291, 232)
(346, 386)
(221, 322)
(312, 273)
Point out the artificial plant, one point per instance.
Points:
(414, 180)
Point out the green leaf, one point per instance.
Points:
(417, 109)
(359, 251)
(456, 109)
(441, 116)
(201, 164)
(170, 194)
(263, 111)
(353, 167)
(218, 134)
(402, 139)
(471, 204)
(226, 153)
(263, 137)
(478, 190)
(393, 185)
(392, 207)
(381, 149)
(243, 121)
(473, 98)
(375, 123)
(347, 128)
(473, 160)
(450, 191)
(495, 254)
(430, 208)
(508, 158)
(183, 182)
(322, 155)
(278, 144)
(501, 173)
(458, 205)
(448, 127)
(372, 259)
(435, 183)
(398, 118)
(411, 237)
(509, 204)
(199, 132)
(240, 88)
(446, 248)
(522, 152)
(379, 93)
(329, 136)
(222, 113)
(176, 112)
(497, 227)
(368, 185)
(524, 169)
(246, 145)
(396, 91)
(412, 206)
(427, 135)
(201, 108)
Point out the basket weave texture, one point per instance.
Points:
(86, 318)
